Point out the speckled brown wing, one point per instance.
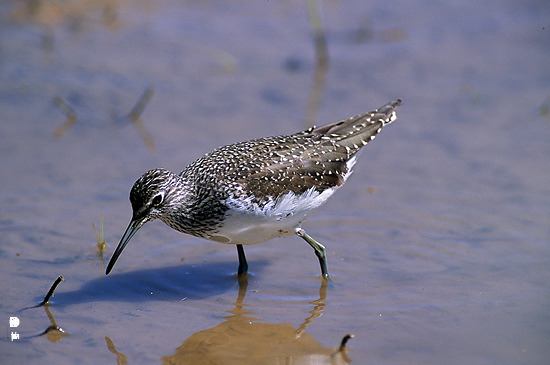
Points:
(318, 157)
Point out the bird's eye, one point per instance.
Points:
(158, 199)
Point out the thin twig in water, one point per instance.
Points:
(342, 350)
(321, 60)
(135, 117)
(545, 108)
(66, 109)
(51, 291)
(344, 342)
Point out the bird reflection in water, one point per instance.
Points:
(242, 339)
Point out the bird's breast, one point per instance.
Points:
(248, 222)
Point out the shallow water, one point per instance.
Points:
(438, 244)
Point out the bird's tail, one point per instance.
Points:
(357, 131)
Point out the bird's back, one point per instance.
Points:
(270, 167)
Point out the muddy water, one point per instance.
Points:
(438, 245)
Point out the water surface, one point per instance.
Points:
(438, 244)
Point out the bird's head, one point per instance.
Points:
(152, 197)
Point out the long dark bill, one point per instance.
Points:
(133, 227)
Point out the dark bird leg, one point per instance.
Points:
(243, 265)
(320, 251)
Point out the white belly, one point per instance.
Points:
(247, 223)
